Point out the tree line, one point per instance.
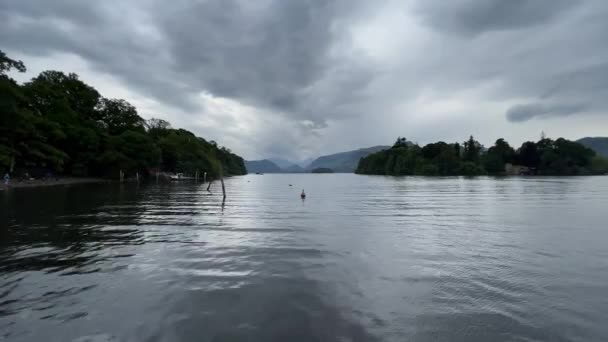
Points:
(57, 124)
(545, 157)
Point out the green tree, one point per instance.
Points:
(529, 155)
(497, 156)
(469, 168)
(58, 122)
(13, 126)
(132, 152)
(118, 116)
(599, 166)
(6, 64)
(564, 157)
(68, 105)
(24, 136)
(157, 128)
(401, 142)
(472, 150)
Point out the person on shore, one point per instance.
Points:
(7, 178)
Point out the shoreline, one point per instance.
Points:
(42, 183)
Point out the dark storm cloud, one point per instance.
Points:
(479, 16)
(273, 54)
(77, 11)
(100, 33)
(310, 63)
(268, 53)
(265, 55)
(549, 52)
(526, 112)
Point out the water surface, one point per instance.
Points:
(362, 259)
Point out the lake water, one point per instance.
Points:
(361, 259)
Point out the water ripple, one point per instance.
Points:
(362, 259)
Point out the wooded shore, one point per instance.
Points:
(32, 183)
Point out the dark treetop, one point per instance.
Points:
(545, 157)
(58, 124)
(598, 144)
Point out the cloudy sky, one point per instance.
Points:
(299, 78)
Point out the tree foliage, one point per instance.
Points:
(57, 123)
(545, 157)
(498, 156)
(6, 64)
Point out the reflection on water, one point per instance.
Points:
(362, 259)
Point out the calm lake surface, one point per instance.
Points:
(362, 259)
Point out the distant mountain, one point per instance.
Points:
(282, 163)
(261, 166)
(294, 169)
(346, 161)
(305, 163)
(599, 145)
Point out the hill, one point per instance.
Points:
(345, 162)
(282, 163)
(598, 144)
(305, 163)
(294, 169)
(261, 166)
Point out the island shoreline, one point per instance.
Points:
(37, 183)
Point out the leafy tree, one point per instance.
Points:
(157, 128)
(68, 105)
(599, 166)
(559, 157)
(432, 151)
(497, 156)
(13, 126)
(493, 163)
(469, 168)
(118, 116)
(62, 97)
(6, 64)
(529, 155)
(472, 150)
(564, 157)
(448, 161)
(132, 152)
(401, 142)
(23, 135)
(56, 122)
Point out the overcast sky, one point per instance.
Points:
(300, 78)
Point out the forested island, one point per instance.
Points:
(559, 157)
(57, 124)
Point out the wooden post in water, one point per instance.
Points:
(223, 187)
(157, 175)
(222, 181)
(204, 177)
(121, 176)
(137, 177)
(196, 176)
(209, 186)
